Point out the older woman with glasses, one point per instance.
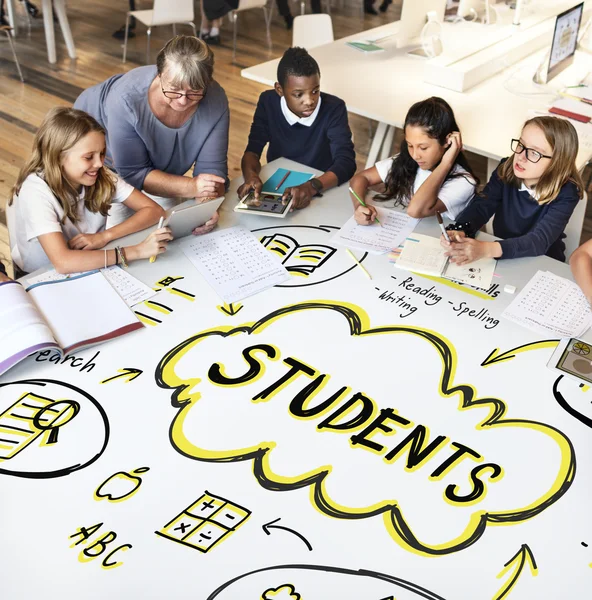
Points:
(161, 120)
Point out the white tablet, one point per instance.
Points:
(269, 205)
(183, 219)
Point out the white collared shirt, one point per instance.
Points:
(293, 119)
(533, 193)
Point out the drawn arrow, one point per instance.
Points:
(129, 374)
(494, 357)
(518, 560)
(230, 309)
(271, 525)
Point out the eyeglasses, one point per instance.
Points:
(191, 96)
(531, 155)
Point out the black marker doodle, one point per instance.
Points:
(99, 547)
(205, 522)
(230, 309)
(413, 449)
(40, 412)
(272, 525)
(576, 403)
(121, 485)
(309, 262)
(126, 373)
(327, 580)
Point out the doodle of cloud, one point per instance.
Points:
(284, 592)
(319, 582)
(390, 435)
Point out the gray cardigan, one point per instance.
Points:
(137, 142)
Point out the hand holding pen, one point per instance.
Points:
(365, 214)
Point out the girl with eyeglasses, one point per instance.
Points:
(531, 196)
(163, 120)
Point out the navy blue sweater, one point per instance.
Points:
(2, 268)
(528, 228)
(326, 145)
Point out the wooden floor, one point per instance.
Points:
(23, 106)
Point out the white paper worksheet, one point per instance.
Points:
(234, 263)
(551, 304)
(377, 238)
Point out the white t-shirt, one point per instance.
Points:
(455, 193)
(36, 211)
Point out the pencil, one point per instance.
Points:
(441, 223)
(362, 203)
(153, 258)
(279, 185)
(358, 263)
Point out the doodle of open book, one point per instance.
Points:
(29, 418)
(298, 260)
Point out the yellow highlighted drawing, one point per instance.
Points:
(516, 564)
(284, 592)
(495, 356)
(120, 486)
(205, 522)
(185, 395)
(32, 417)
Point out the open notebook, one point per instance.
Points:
(424, 254)
(66, 315)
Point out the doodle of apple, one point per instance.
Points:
(120, 486)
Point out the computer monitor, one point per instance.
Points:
(414, 17)
(565, 40)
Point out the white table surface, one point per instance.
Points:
(176, 481)
(383, 85)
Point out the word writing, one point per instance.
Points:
(99, 547)
(360, 412)
(430, 297)
(76, 362)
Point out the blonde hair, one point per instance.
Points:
(189, 60)
(563, 139)
(62, 129)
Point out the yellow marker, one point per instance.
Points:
(358, 263)
(153, 258)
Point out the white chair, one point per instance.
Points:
(164, 12)
(312, 30)
(248, 5)
(7, 30)
(573, 231)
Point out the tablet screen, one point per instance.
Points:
(268, 205)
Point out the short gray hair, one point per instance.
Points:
(189, 60)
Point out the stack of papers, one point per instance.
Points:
(394, 227)
(550, 304)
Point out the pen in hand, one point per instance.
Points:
(160, 223)
(441, 223)
(362, 203)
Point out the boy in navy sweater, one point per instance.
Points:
(302, 124)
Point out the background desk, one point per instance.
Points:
(196, 437)
(382, 86)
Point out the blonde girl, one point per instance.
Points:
(62, 197)
(531, 196)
